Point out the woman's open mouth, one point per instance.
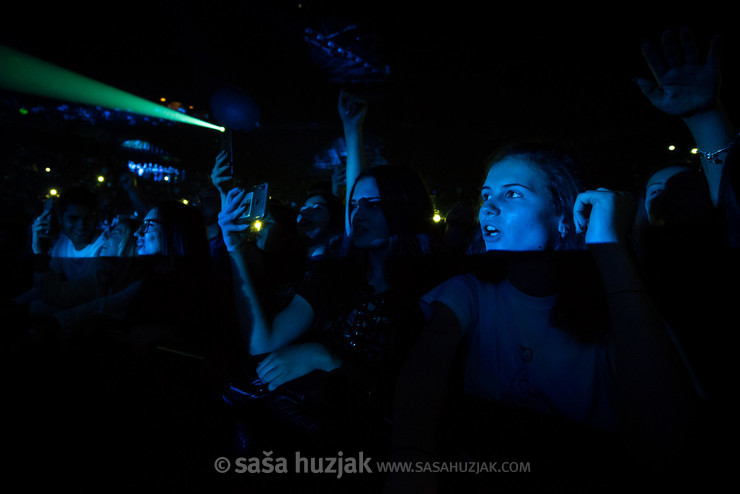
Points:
(490, 231)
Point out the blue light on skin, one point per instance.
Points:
(313, 218)
(370, 229)
(656, 185)
(516, 213)
(113, 239)
(150, 242)
(369, 226)
(78, 224)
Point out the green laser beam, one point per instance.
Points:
(27, 74)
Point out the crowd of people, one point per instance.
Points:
(579, 329)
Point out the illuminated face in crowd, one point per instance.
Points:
(369, 226)
(517, 208)
(314, 218)
(149, 235)
(78, 224)
(655, 191)
(114, 240)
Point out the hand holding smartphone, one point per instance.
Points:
(222, 175)
(255, 203)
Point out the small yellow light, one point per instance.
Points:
(437, 218)
(185, 201)
(162, 99)
(257, 225)
(671, 147)
(101, 178)
(47, 169)
(695, 151)
(53, 192)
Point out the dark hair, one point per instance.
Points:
(127, 248)
(642, 219)
(580, 308)
(684, 205)
(564, 182)
(335, 207)
(184, 232)
(285, 240)
(407, 206)
(414, 238)
(79, 196)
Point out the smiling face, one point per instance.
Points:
(78, 224)
(517, 210)
(149, 236)
(369, 226)
(113, 240)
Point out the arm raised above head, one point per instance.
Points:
(260, 334)
(686, 84)
(352, 111)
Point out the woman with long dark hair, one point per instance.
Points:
(175, 300)
(350, 322)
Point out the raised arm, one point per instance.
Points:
(652, 381)
(221, 175)
(687, 85)
(352, 111)
(260, 334)
(138, 201)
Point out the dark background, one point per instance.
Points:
(461, 78)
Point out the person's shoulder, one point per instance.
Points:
(61, 246)
(460, 289)
(463, 281)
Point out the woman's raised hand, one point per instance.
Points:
(604, 216)
(685, 83)
(228, 218)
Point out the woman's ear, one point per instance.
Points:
(563, 227)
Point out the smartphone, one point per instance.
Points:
(227, 144)
(256, 202)
(48, 204)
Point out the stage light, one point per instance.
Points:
(437, 218)
(27, 74)
(101, 178)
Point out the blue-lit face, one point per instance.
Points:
(78, 224)
(149, 236)
(314, 218)
(656, 186)
(517, 208)
(369, 226)
(113, 240)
